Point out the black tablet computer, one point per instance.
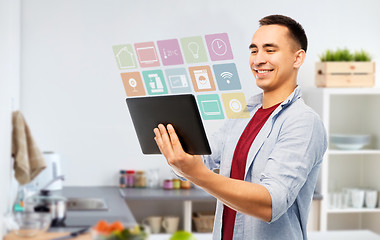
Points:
(179, 110)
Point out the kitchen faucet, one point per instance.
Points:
(60, 177)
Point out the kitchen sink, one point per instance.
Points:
(86, 204)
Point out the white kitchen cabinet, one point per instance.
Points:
(348, 111)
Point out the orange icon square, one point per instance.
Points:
(201, 77)
(133, 84)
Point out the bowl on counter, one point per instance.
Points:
(350, 141)
(31, 224)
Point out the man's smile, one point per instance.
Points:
(262, 72)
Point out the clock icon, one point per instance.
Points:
(219, 47)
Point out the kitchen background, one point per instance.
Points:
(57, 66)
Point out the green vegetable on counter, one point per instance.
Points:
(182, 235)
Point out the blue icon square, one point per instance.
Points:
(227, 76)
(178, 80)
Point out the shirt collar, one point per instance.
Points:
(258, 99)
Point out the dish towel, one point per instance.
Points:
(28, 159)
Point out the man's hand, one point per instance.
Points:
(245, 197)
(183, 163)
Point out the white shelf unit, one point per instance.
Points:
(348, 111)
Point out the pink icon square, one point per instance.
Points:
(147, 54)
(170, 52)
(219, 46)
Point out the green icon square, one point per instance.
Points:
(125, 57)
(155, 82)
(210, 107)
(194, 49)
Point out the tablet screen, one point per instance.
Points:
(179, 110)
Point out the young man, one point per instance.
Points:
(268, 164)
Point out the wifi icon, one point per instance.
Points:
(227, 76)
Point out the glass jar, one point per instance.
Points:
(185, 185)
(140, 179)
(176, 183)
(130, 178)
(122, 182)
(153, 178)
(44, 201)
(168, 184)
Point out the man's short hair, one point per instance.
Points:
(295, 29)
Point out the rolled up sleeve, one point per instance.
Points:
(300, 146)
(217, 144)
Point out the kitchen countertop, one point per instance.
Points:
(117, 208)
(87, 236)
(47, 236)
(330, 235)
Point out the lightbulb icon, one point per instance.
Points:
(194, 49)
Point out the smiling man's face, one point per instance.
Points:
(273, 53)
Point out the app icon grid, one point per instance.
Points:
(200, 65)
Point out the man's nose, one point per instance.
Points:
(259, 59)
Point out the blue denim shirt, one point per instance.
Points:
(285, 158)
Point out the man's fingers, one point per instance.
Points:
(177, 147)
(158, 138)
(163, 132)
(163, 141)
(168, 142)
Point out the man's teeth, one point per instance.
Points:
(263, 71)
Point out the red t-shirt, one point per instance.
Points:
(239, 161)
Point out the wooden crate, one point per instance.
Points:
(345, 74)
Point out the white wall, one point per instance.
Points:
(9, 89)
(72, 94)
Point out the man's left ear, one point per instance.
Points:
(299, 58)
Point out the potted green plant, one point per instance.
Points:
(342, 68)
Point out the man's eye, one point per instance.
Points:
(270, 50)
(253, 51)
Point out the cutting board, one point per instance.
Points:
(46, 236)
